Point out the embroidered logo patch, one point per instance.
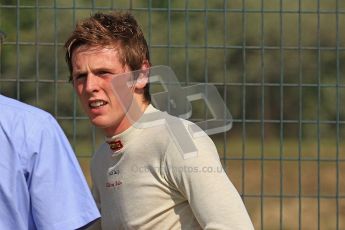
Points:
(115, 145)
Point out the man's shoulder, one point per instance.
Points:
(18, 118)
(25, 111)
(163, 125)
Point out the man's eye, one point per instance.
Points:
(80, 77)
(104, 73)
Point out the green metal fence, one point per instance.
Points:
(279, 66)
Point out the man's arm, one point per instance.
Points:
(214, 200)
(61, 198)
(96, 225)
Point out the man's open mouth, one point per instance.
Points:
(96, 104)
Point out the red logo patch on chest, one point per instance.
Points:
(115, 145)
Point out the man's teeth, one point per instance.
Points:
(97, 104)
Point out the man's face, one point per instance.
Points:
(93, 70)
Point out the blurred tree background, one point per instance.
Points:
(279, 66)
(273, 61)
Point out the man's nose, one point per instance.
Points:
(91, 84)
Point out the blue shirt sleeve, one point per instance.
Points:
(60, 196)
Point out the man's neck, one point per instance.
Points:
(133, 115)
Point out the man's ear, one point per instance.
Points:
(143, 77)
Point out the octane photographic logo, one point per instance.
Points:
(175, 100)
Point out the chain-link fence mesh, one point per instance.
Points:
(278, 65)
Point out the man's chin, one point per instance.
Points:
(98, 123)
(107, 124)
(103, 124)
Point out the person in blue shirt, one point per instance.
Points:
(41, 183)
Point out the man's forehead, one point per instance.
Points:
(94, 56)
(87, 49)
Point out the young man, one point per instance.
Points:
(41, 183)
(140, 178)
